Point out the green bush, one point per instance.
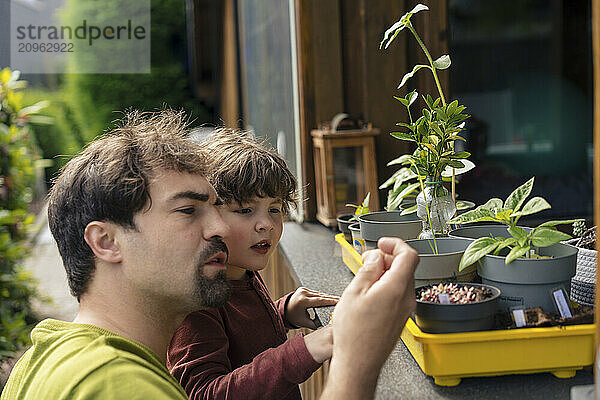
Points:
(17, 179)
(60, 140)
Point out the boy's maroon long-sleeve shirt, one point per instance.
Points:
(240, 351)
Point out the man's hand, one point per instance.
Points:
(369, 319)
(301, 300)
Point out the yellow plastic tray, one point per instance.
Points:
(449, 357)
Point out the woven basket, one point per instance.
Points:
(584, 282)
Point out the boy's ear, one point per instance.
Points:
(100, 236)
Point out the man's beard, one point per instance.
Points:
(213, 292)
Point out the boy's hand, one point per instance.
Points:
(320, 343)
(302, 299)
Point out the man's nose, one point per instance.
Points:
(216, 227)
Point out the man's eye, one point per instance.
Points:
(243, 211)
(187, 210)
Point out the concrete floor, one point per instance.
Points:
(46, 267)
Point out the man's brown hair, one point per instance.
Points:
(108, 181)
(242, 168)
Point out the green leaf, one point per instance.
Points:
(476, 215)
(515, 253)
(461, 205)
(455, 163)
(460, 154)
(400, 160)
(535, 204)
(504, 244)
(400, 25)
(468, 165)
(403, 136)
(411, 97)
(554, 223)
(494, 205)
(518, 196)
(409, 210)
(33, 109)
(518, 233)
(504, 215)
(405, 176)
(402, 100)
(544, 237)
(443, 62)
(477, 250)
(41, 120)
(408, 190)
(405, 125)
(411, 73)
(431, 148)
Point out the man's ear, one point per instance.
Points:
(100, 236)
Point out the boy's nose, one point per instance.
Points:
(264, 225)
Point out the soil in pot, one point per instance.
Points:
(470, 307)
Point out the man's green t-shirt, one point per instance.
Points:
(79, 361)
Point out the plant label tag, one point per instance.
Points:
(561, 302)
(444, 298)
(519, 316)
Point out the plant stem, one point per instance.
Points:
(433, 69)
(439, 88)
(435, 249)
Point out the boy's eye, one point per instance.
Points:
(187, 210)
(275, 210)
(243, 211)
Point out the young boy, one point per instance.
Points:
(240, 351)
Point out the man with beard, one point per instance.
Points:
(136, 225)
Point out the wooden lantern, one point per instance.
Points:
(345, 171)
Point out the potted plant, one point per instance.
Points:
(434, 133)
(452, 307)
(345, 220)
(440, 263)
(527, 264)
(583, 284)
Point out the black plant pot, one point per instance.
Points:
(450, 318)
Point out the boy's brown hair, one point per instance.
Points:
(242, 168)
(108, 181)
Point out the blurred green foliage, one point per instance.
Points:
(19, 159)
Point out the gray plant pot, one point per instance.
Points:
(477, 231)
(525, 282)
(443, 266)
(389, 223)
(449, 318)
(344, 223)
(528, 283)
(357, 241)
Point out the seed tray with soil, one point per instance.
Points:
(536, 317)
